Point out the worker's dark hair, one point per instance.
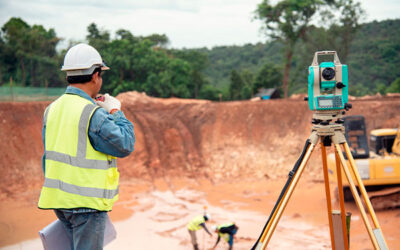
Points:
(205, 217)
(83, 78)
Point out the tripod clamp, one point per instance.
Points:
(326, 127)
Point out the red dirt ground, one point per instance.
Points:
(238, 151)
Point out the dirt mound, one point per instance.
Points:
(134, 97)
(192, 138)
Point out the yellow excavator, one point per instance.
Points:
(378, 163)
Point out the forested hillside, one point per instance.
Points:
(28, 57)
(222, 60)
(373, 60)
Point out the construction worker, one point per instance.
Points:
(81, 142)
(226, 231)
(195, 224)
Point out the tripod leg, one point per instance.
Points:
(356, 196)
(258, 243)
(341, 199)
(377, 231)
(361, 187)
(327, 193)
(278, 213)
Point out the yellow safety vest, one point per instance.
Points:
(76, 175)
(224, 236)
(194, 224)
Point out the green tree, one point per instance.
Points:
(209, 92)
(198, 62)
(246, 92)
(140, 63)
(247, 76)
(29, 53)
(158, 40)
(97, 38)
(269, 76)
(180, 77)
(248, 81)
(236, 85)
(43, 61)
(2, 58)
(119, 55)
(15, 34)
(288, 21)
(343, 28)
(394, 86)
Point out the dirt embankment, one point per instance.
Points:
(232, 156)
(190, 138)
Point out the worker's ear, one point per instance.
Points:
(95, 76)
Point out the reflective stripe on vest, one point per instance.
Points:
(84, 191)
(72, 179)
(194, 224)
(80, 162)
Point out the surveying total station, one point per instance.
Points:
(328, 98)
(327, 84)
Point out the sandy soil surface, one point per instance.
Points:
(154, 216)
(233, 157)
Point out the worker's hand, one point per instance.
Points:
(109, 103)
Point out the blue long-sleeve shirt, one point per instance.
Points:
(111, 134)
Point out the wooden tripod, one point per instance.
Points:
(327, 132)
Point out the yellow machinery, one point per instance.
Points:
(378, 164)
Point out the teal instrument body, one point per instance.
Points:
(327, 84)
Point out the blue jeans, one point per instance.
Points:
(84, 229)
(230, 242)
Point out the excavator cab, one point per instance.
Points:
(378, 164)
(382, 140)
(356, 136)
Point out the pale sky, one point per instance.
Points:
(187, 23)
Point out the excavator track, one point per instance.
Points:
(385, 199)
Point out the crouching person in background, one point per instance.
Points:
(226, 231)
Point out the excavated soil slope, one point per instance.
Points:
(189, 138)
(232, 156)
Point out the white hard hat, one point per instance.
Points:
(82, 59)
(207, 215)
(214, 227)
